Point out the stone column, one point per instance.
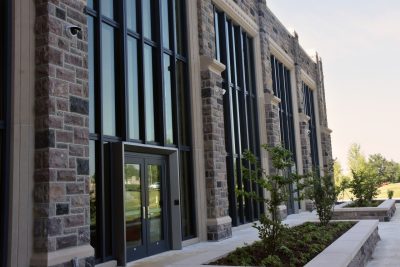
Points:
(61, 191)
(305, 142)
(326, 145)
(219, 224)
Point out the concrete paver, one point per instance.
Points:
(387, 251)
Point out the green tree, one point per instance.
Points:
(355, 158)
(338, 173)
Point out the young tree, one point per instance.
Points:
(356, 160)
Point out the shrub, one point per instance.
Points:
(390, 193)
(322, 191)
(270, 229)
(364, 186)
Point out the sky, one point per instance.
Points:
(359, 43)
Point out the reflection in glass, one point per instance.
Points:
(108, 80)
(131, 14)
(133, 93)
(91, 74)
(147, 15)
(182, 106)
(165, 23)
(89, 3)
(107, 8)
(92, 194)
(155, 198)
(180, 26)
(133, 205)
(149, 92)
(168, 100)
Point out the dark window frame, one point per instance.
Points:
(234, 48)
(5, 120)
(121, 35)
(309, 110)
(282, 88)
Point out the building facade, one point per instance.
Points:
(123, 124)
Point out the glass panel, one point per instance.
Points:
(187, 209)
(165, 23)
(131, 15)
(147, 15)
(183, 108)
(92, 195)
(133, 205)
(108, 80)
(168, 100)
(89, 3)
(133, 92)
(107, 8)
(180, 26)
(149, 93)
(155, 199)
(91, 74)
(108, 200)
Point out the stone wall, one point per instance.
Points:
(61, 193)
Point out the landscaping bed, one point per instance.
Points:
(384, 212)
(299, 245)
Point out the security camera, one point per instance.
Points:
(73, 30)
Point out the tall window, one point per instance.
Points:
(234, 48)
(283, 90)
(309, 110)
(138, 92)
(5, 74)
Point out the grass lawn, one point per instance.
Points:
(382, 192)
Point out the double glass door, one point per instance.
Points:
(145, 205)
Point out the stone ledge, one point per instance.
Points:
(62, 256)
(353, 248)
(384, 212)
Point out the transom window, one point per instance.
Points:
(138, 92)
(234, 48)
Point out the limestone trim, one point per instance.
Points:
(303, 117)
(211, 64)
(308, 80)
(238, 15)
(194, 66)
(61, 256)
(107, 264)
(280, 54)
(326, 130)
(219, 221)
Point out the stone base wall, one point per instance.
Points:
(365, 252)
(383, 212)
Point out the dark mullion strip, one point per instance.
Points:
(149, 42)
(227, 108)
(174, 92)
(246, 129)
(109, 21)
(130, 32)
(5, 183)
(90, 11)
(160, 85)
(99, 124)
(123, 89)
(142, 93)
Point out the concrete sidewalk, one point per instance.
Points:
(387, 252)
(197, 254)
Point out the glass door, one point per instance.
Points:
(145, 206)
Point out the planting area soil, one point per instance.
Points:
(300, 245)
(373, 203)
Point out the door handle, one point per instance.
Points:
(144, 212)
